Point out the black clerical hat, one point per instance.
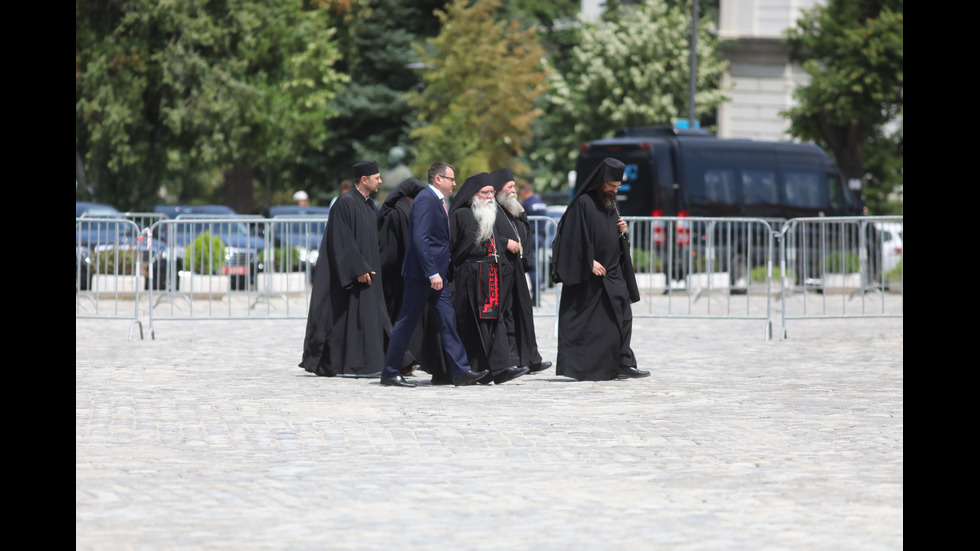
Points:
(365, 168)
(500, 177)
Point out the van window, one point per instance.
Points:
(759, 187)
(715, 188)
(803, 189)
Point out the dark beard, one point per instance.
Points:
(605, 200)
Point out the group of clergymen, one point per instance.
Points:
(437, 286)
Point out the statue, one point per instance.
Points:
(396, 173)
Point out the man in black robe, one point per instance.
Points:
(516, 305)
(476, 296)
(393, 238)
(595, 319)
(348, 322)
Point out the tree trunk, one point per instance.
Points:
(238, 188)
(847, 145)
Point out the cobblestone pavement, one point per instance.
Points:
(211, 437)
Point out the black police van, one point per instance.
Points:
(676, 172)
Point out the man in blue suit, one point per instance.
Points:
(427, 271)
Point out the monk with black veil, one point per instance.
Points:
(476, 294)
(348, 322)
(595, 318)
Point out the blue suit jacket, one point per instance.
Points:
(428, 249)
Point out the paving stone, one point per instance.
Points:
(210, 437)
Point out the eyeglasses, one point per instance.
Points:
(448, 177)
(488, 193)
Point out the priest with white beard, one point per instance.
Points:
(516, 259)
(476, 295)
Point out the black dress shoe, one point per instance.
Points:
(534, 368)
(628, 372)
(469, 377)
(397, 380)
(509, 374)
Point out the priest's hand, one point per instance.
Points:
(436, 282)
(597, 269)
(621, 225)
(513, 246)
(365, 278)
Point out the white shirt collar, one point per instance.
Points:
(437, 192)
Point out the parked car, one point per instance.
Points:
(101, 230)
(296, 210)
(103, 224)
(93, 209)
(241, 239)
(890, 236)
(303, 233)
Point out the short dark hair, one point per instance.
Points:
(438, 169)
(527, 186)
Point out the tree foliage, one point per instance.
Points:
(477, 108)
(171, 95)
(374, 114)
(632, 68)
(853, 105)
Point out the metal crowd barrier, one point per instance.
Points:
(244, 267)
(712, 268)
(111, 269)
(543, 229)
(841, 267)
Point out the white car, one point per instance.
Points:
(890, 236)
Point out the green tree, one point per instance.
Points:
(119, 155)
(853, 104)
(884, 166)
(188, 97)
(374, 114)
(631, 68)
(477, 108)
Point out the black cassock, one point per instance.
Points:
(595, 319)
(425, 347)
(348, 323)
(516, 306)
(476, 295)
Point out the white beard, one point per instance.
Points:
(510, 203)
(486, 216)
